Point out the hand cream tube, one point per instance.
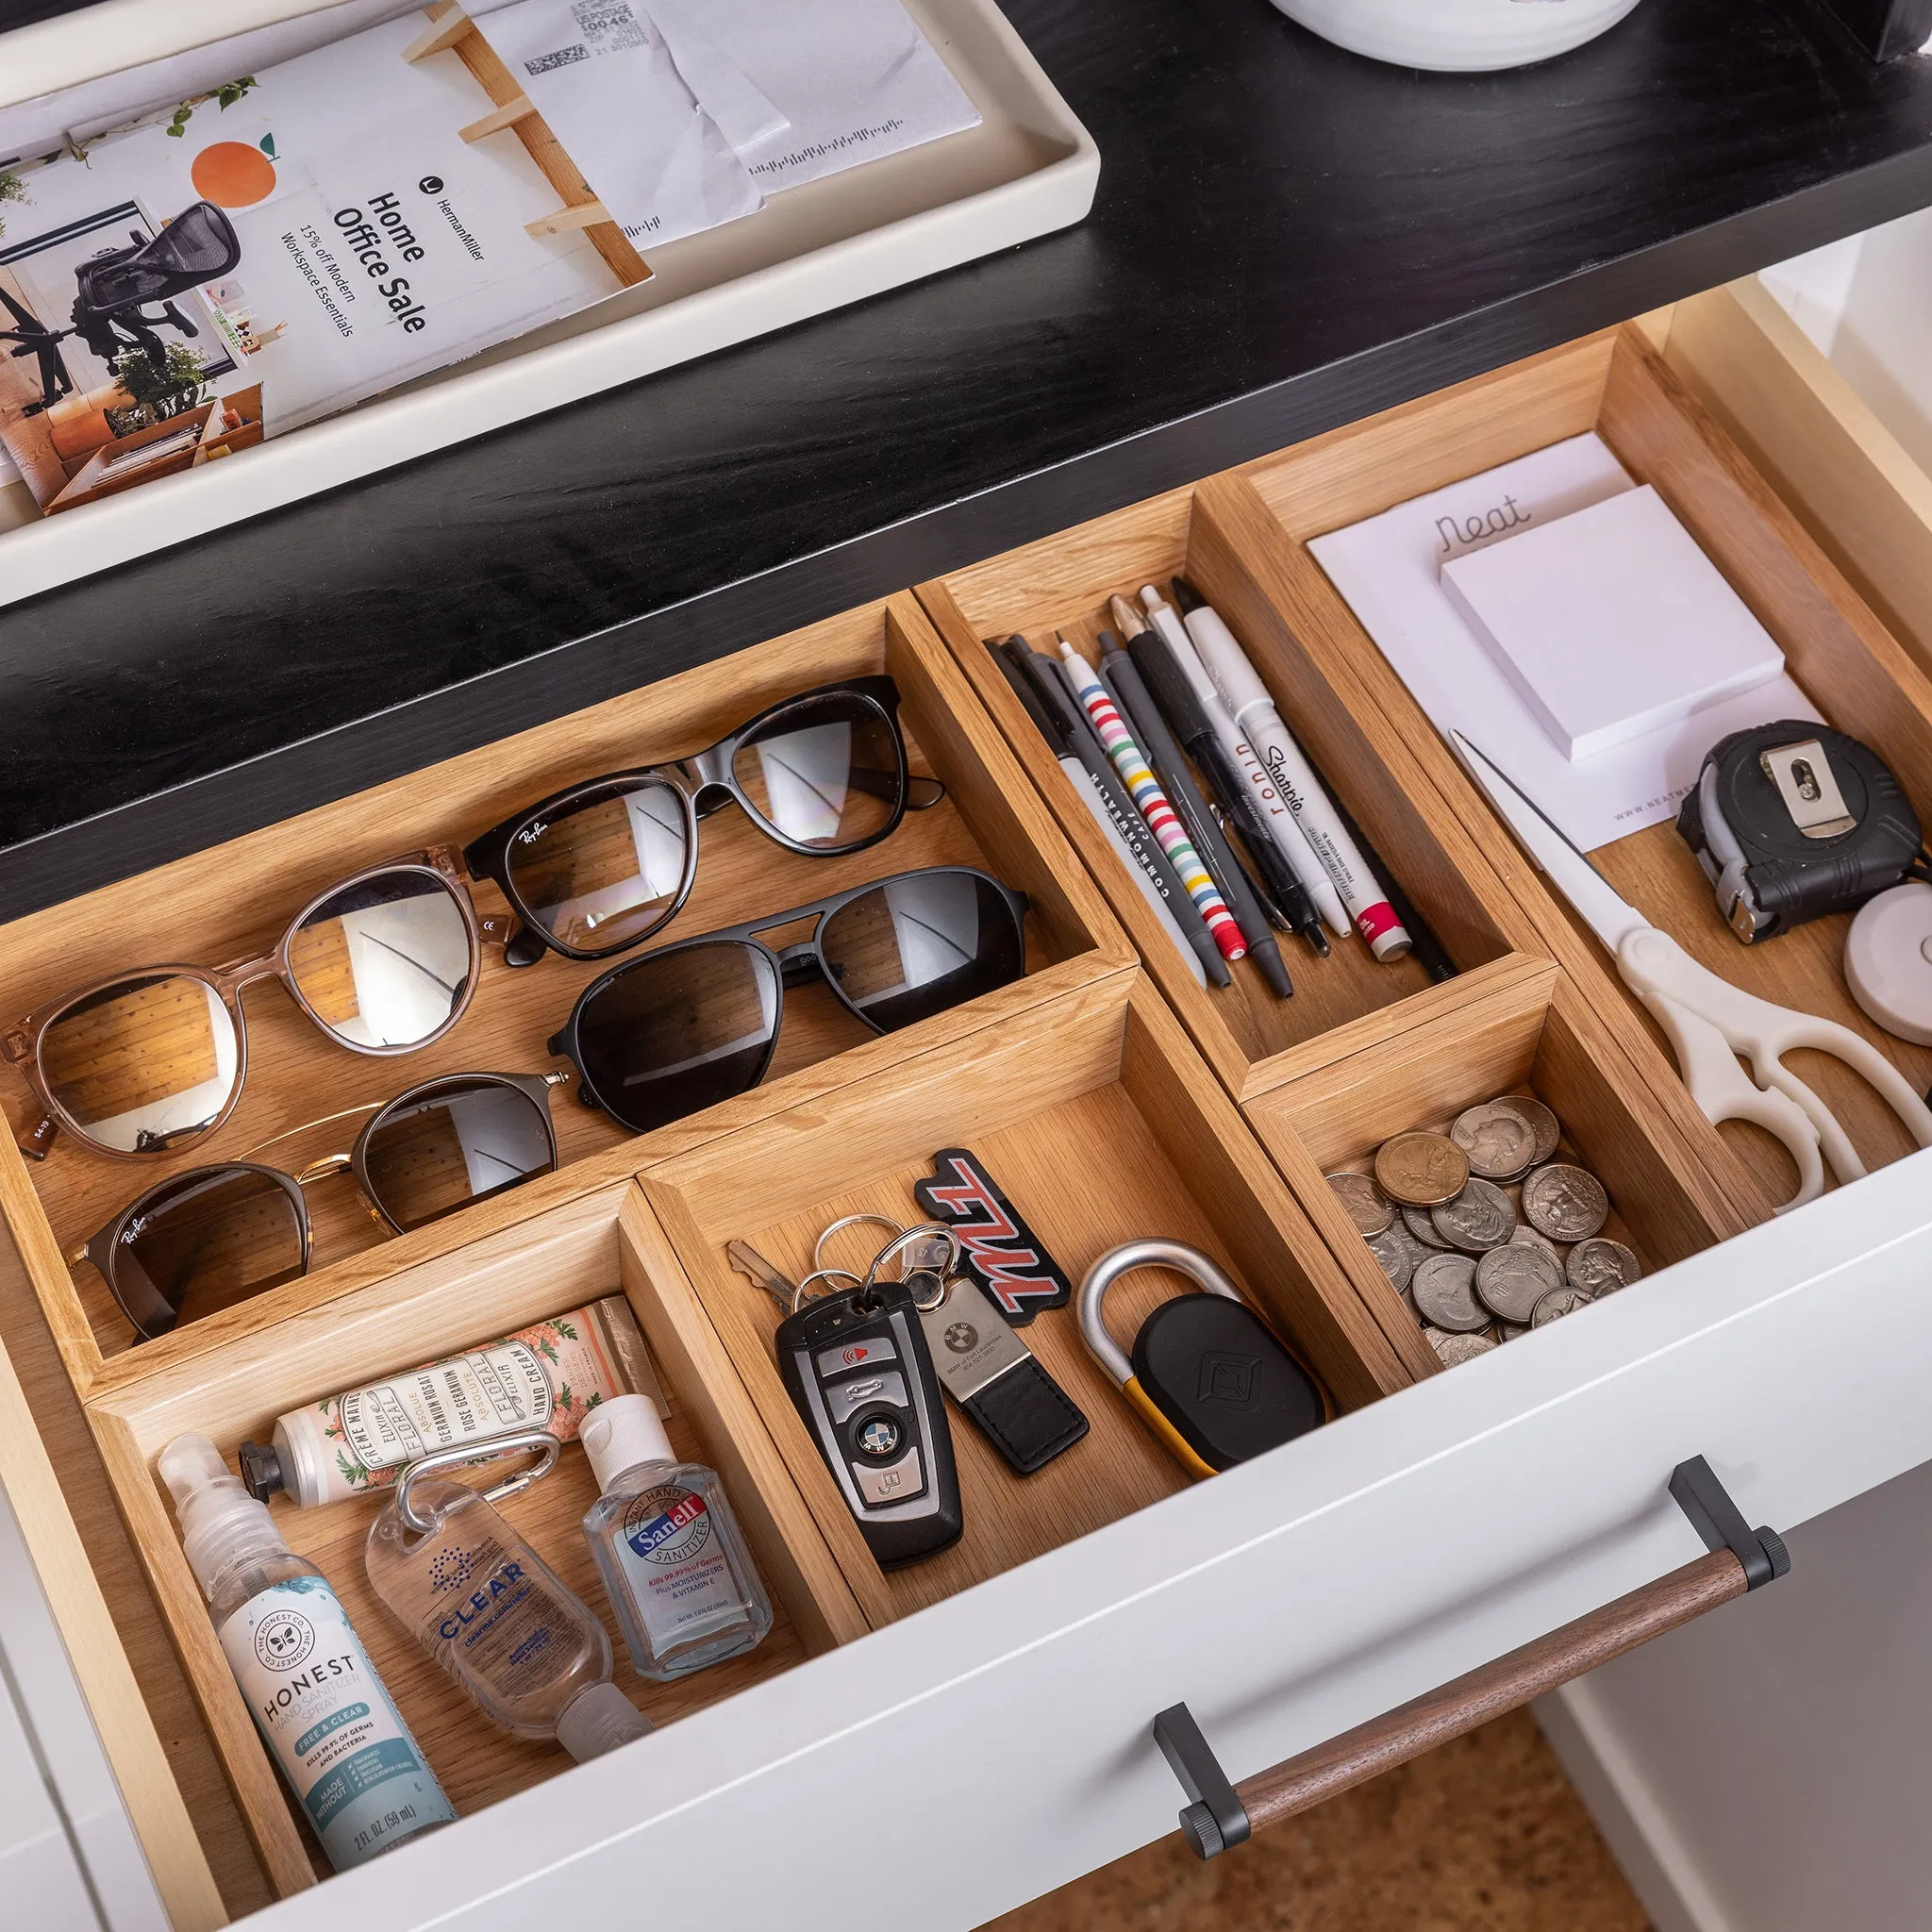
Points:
(548, 1377)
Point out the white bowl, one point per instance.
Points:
(1450, 35)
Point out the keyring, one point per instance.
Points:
(818, 1253)
(480, 1452)
(924, 1229)
(799, 1296)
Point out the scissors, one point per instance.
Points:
(1711, 1023)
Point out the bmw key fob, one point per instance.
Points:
(858, 1368)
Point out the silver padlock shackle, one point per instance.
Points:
(547, 1445)
(1156, 1253)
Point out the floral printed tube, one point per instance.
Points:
(548, 1377)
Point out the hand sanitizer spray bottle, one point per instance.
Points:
(674, 1560)
(322, 1710)
(499, 1620)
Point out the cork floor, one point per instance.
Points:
(1484, 1834)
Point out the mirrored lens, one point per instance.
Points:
(385, 962)
(919, 945)
(598, 877)
(823, 772)
(202, 1242)
(143, 1066)
(675, 1032)
(430, 1154)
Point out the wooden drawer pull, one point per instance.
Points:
(1220, 1814)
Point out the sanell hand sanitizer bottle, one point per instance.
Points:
(328, 1722)
(674, 1560)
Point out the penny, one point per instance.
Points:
(1526, 1236)
(1555, 1305)
(1420, 1170)
(1602, 1267)
(1444, 1288)
(1511, 1280)
(1422, 1224)
(1478, 1219)
(1564, 1202)
(1547, 1128)
(1452, 1351)
(1367, 1208)
(1396, 1253)
(1498, 1140)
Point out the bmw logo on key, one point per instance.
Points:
(878, 1436)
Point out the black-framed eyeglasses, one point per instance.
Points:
(600, 866)
(204, 1240)
(688, 1024)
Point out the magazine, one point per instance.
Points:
(216, 271)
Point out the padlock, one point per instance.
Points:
(1206, 1375)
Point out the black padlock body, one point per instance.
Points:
(1212, 1369)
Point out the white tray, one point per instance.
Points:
(1028, 169)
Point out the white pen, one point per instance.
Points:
(1253, 709)
(1281, 822)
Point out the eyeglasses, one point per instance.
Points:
(688, 1024)
(599, 867)
(202, 1240)
(151, 1062)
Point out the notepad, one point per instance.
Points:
(1610, 622)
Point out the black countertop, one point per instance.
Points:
(1285, 238)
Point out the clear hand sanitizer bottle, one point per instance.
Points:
(500, 1620)
(674, 1558)
(330, 1724)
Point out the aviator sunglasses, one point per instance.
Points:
(598, 867)
(202, 1240)
(688, 1024)
(150, 1061)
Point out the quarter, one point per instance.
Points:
(1454, 1350)
(1555, 1305)
(1478, 1219)
(1565, 1203)
(1511, 1280)
(1602, 1267)
(1546, 1128)
(1367, 1208)
(1421, 1222)
(1498, 1140)
(1420, 1170)
(1397, 1257)
(1525, 1235)
(1444, 1288)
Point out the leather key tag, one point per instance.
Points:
(1001, 1253)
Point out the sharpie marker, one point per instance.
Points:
(1282, 825)
(1253, 709)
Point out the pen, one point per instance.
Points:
(1174, 698)
(1253, 712)
(1038, 681)
(1263, 897)
(1280, 824)
(1152, 803)
(1150, 731)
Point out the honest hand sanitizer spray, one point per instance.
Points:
(330, 1724)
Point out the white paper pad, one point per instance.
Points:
(1389, 567)
(603, 78)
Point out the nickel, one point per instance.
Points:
(1511, 1281)
(1601, 1267)
(1445, 1290)
(1453, 1350)
(1555, 1305)
(1500, 1143)
(1367, 1208)
(1478, 1219)
(1421, 1170)
(1565, 1203)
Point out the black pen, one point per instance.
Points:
(1151, 734)
(1192, 726)
(1038, 683)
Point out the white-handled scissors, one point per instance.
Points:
(1709, 1022)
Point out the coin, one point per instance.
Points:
(1445, 1287)
(1555, 1305)
(1396, 1253)
(1479, 1218)
(1497, 1139)
(1421, 1224)
(1508, 1331)
(1420, 1170)
(1564, 1202)
(1600, 1266)
(1454, 1350)
(1511, 1280)
(1547, 1128)
(1364, 1201)
(1525, 1235)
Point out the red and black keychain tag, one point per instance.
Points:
(1001, 1253)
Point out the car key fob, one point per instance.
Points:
(858, 1368)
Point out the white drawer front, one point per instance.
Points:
(998, 1744)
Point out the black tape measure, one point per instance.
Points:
(1791, 821)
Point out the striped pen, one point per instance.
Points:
(1143, 788)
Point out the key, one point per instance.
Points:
(753, 1265)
